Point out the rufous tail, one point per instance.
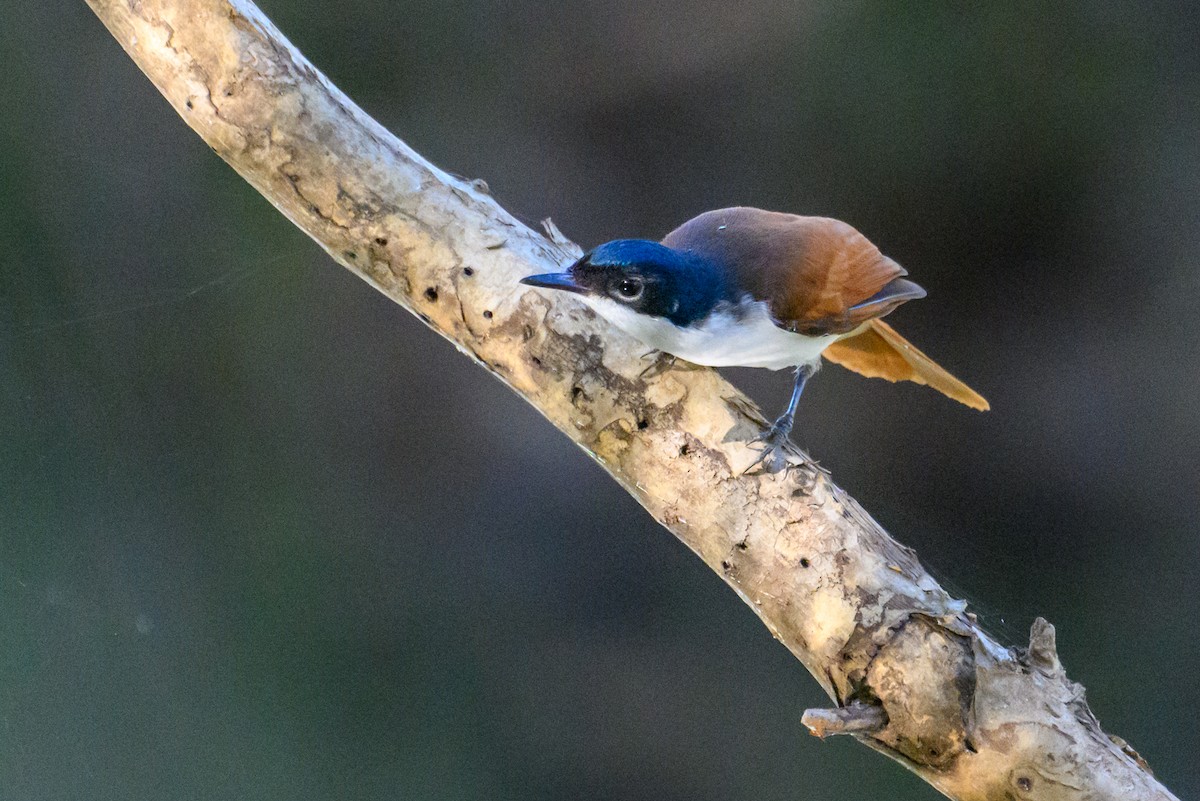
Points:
(879, 352)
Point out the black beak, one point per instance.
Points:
(554, 281)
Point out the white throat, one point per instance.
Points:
(731, 336)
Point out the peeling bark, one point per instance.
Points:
(978, 721)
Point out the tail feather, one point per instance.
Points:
(879, 352)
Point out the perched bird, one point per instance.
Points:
(752, 288)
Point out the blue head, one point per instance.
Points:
(646, 277)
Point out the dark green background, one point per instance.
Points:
(263, 536)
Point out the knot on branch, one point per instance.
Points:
(1043, 650)
(924, 678)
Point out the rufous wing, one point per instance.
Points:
(818, 276)
(879, 352)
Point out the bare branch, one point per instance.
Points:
(857, 718)
(976, 720)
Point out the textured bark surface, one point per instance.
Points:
(975, 719)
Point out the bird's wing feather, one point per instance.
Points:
(818, 275)
(879, 352)
(895, 292)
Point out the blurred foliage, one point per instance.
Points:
(263, 536)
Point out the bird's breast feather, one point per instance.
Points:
(741, 335)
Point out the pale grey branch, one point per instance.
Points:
(975, 719)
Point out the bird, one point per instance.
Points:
(744, 287)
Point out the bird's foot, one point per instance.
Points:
(772, 458)
(663, 362)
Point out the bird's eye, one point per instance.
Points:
(629, 288)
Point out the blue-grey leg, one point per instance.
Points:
(775, 437)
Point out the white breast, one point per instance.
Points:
(746, 337)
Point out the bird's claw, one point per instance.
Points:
(772, 458)
(657, 366)
(663, 362)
